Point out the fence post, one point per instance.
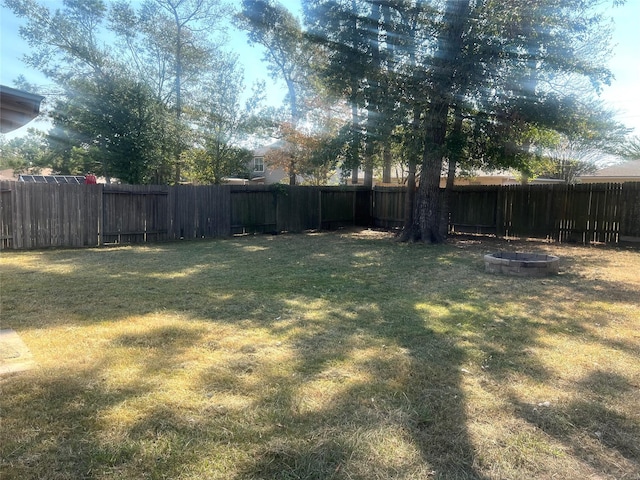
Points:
(319, 208)
(500, 213)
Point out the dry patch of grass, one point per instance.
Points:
(321, 356)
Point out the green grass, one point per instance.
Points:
(344, 356)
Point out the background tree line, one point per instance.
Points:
(147, 92)
(152, 92)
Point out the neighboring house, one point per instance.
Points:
(261, 172)
(46, 175)
(498, 177)
(623, 172)
(17, 108)
(480, 178)
(58, 179)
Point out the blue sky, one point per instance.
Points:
(623, 95)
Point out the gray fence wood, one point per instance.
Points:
(51, 215)
(134, 214)
(198, 211)
(272, 209)
(6, 215)
(607, 213)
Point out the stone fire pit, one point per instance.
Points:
(521, 264)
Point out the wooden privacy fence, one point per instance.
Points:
(608, 213)
(48, 215)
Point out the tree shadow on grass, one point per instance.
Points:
(375, 390)
(55, 420)
(376, 395)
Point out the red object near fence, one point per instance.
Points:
(90, 179)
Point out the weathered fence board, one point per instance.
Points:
(6, 215)
(198, 211)
(49, 215)
(629, 211)
(253, 209)
(46, 215)
(473, 210)
(388, 207)
(298, 209)
(134, 213)
(269, 209)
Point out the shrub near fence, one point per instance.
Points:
(46, 215)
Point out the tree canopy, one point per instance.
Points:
(130, 83)
(441, 84)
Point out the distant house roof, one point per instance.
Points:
(17, 108)
(623, 172)
(75, 179)
(263, 150)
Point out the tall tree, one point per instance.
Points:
(119, 125)
(23, 154)
(510, 67)
(162, 49)
(287, 55)
(341, 28)
(223, 123)
(441, 79)
(189, 25)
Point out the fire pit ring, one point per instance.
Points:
(521, 264)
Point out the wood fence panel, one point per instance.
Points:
(604, 221)
(537, 211)
(539, 214)
(580, 212)
(199, 211)
(181, 203)
(45, 215)
(630, 214)
(363, 216)
(218, 212)
(298, 208)
(135, 213)
(92, 215)
(473, 210)
(6, 215)
(253, 209)
(388, 207)
(22, 216)
(557, 207)
(51, 215)
(517, 219)
(564, 221)
(339, 207)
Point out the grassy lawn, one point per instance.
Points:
(333, 355)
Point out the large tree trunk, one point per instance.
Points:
(295, 120)
(368, 162)
(386, 163)
(354, 147)
(373, 93)
(409, 232)
(455, 155)
(428, 215)
(292, 173)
